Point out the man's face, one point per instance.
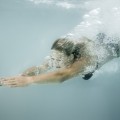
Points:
(60, 59)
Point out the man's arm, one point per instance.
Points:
(63, 74)
(56, 76)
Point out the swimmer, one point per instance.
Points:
(68, 59)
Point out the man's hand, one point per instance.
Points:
(18, 81)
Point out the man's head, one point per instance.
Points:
(64, 52)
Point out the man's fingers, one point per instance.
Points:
(7, 81)
(11, 83)
(18, 81)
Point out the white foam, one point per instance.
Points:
(101, 17)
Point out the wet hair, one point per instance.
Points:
(77, 51)
(67, 47)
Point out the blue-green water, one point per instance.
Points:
(27, 33)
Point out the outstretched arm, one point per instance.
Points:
(56, 76)
(62, 74)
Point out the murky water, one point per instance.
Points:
(27, 33)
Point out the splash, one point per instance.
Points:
(102, 17)
(102, 20)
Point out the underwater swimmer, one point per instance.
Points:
(68, 58)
